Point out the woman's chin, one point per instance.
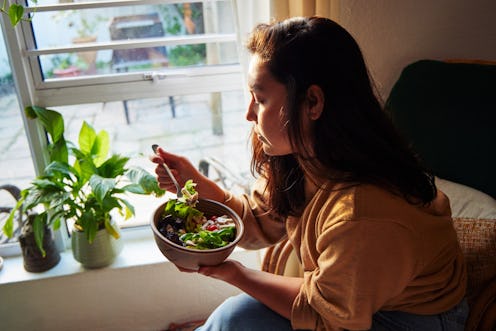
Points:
(271, 151)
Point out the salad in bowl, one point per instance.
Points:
(190, 231)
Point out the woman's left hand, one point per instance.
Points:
(224, 271)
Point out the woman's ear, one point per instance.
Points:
(315, 102)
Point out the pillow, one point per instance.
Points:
(467, 202)
(446, 112)
(477, 239)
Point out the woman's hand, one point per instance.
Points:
(183, 170)
(225, 271)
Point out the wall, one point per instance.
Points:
(395, 33)
(143, 297)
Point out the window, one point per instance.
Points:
(15, 159)
(147, 71)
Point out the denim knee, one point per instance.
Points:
(244, 313)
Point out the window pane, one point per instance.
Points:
(192, 130)
(190, 47)
(189, 34)
(16, 166)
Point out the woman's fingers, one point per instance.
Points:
(176, 164)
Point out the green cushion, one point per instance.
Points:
(448, 113)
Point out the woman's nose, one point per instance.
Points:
(251, 115)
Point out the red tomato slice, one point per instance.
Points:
(212, 227)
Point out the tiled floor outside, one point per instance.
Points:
(189, 134)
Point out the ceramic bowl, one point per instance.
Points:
(190, 258)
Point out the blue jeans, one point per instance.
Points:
(244, 313)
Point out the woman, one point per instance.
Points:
(373, 234)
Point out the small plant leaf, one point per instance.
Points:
(8, 227)
(113, 167)
(101, 186)
(101, 148)
(15, 13)
(129, 209)
(52, 121)
(39, 232)
(87, 137)
(111, 229)
(58, 151)
(145, 180)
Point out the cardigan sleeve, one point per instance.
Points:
(262, 226)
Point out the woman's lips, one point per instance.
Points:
(262, 139)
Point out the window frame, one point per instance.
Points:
(32, 89)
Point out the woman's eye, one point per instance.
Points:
(256, 100)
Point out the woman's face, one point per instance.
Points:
(268, 98)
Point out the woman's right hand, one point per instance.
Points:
(183, 170)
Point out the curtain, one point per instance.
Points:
(281, 9)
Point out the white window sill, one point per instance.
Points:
(141, 290)
(139, 249)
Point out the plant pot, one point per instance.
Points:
(100, 253)
(68, 72)
(32, 257)
(88, 57)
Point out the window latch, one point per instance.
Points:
(154, 76)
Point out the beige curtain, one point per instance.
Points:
(281, 9)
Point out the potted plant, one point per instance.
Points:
(82, 183)
(64, 66)
(35, 259)
(86, 33)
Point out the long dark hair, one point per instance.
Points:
(354, 140)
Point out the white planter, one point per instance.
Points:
(100, 253)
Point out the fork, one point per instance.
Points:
(179, 193)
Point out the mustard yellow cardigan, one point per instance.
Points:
(362, 250)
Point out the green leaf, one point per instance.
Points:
(113, 167)
(189, 186)
(134, 188)
(58, 169)
(101, 148)
(56, 224)
(89, 224)
(39, 232)
(209, 239)
(101, 186)
(52, 121)
(58, 151)
(129, 209)
(15, 13)
(8, 227)
(145, 180)
(87, 137)
(111, 229)
(86, 168)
